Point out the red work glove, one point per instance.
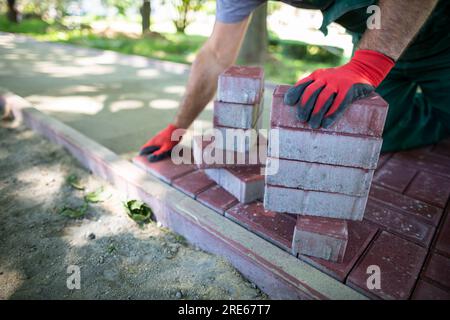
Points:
(160, 146)
(323, 96)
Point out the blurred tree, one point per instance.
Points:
(146, 11)
(121, 5)
(254, 47)
(13, 13)
(184, 10)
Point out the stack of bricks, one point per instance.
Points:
(237, 118)
(324, 175)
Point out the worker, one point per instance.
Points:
(406, 60)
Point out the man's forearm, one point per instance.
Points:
(400, 22)
(201, 87)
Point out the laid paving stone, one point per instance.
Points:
(326, 147)
(360, 234)
(239, 84)
(165, 169)
(318, 177)
(384, 157)
(363, 117)
(437, 269)
(207, 154)
(217, 199)
(193, 183)
(443, 239)
(237, 140)
(236, 115)
(314, 203)
(427, 291)
(399, 262)
(424, 161)
(275, 227)
(319, 237)
(394, 175)
(442, 148)
(421, 210)
(245, 183)
(403, 225)
(430, 188)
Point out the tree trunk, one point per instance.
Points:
(254, 48)
(146, 11)
(13, 13)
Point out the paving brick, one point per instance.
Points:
(245, 183)
(430, 188)
(277, 228)
(318, 177)
(425, 161)
(314, 203)
(236, 115)
(442, 148)
(422, 210)
(165, 169)
(319, 237)
(427, 291)
(360, 234)
(384, 157)
(217, 199)
(399, 261)
(394, 175)
(326, 147)
(208, 155)
(437, 269)
(443, 239)
(193, 183)
(239, 84)
(363, 117)
(405, 226)
(237, 140)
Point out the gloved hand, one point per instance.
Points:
(160, 146)
(322, 97)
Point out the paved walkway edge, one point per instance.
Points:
(273, 270)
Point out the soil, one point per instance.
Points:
(117, 258)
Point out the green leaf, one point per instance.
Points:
(74, 181)
(98, 195)
(138, 211)
(74, 213)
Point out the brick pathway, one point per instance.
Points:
(405, 231)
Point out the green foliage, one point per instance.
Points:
(98, 195)
(74, 213)
(74, 182)
(121, 5)
(184, 10)
(138, 211)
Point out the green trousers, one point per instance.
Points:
(418, 93)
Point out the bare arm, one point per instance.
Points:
(218, 53)
(400, 22)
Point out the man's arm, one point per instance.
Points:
(400, 22)
(218, 53)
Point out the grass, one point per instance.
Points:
(287, 60)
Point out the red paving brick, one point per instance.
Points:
(394, 175)
(438, 270)
(320, 237)
(443, 239)
(405, 226)
(422, 210)
(277, 228)
(430, 188)
(165, 169)
(442, 148)
(359, 236)
(217, 198)
(424, 160)
(427, 291)
(363, 117)
(193, 183)
(239, 84)
(400, 262)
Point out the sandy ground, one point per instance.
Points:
(117, 258)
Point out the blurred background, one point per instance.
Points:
(116, 70)
(285, 39)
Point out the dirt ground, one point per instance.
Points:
(116, 257)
